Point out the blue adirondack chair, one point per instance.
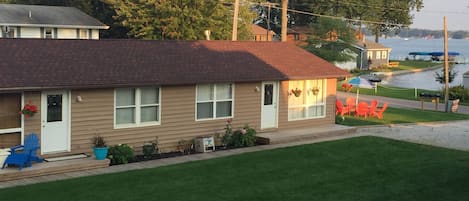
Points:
(23, 155)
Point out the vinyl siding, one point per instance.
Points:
(94, 115)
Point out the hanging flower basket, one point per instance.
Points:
(315, 91)
(296, 92)
(28, 110)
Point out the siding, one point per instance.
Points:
(94, 115)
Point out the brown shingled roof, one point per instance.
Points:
(36, 63)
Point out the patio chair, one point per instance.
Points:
(373, 106)
(23, 155)
(339, 108)
(379, 113)
(350, 105)
(362, 109)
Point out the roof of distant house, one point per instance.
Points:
(34, 63)
(46, 16)
(258, 30)
(367, 44)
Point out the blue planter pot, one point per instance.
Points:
(100, 153)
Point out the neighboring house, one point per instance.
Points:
(371, 54)
(129, 91)
(261, 34)
(298, 35)
(54, 22)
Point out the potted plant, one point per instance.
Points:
(315, 91)
(100, 149)
(29, 110)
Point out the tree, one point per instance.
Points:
(181, 20)
(440, 77)
(392, 15)
(331, 40)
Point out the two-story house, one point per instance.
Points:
(54, 22)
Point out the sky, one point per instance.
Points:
(431, 16)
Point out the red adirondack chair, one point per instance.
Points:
(350, 105)
(379, 113)
(362, 109)
(373, 107)
(339, 108)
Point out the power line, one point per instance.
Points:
(341, 18)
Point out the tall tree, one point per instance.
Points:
(183, 19)
(331, 40)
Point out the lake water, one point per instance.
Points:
(424, 80)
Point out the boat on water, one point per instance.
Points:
(435, 56)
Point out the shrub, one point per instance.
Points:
(458, 92)
(120, 154)
(244, 137)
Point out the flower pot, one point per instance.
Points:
(100, 153)
(4, 153)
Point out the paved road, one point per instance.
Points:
(400, 103)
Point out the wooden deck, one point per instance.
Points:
(299, 134)
(51, 168)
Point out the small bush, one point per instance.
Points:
(458, 92)
(120, 154)
(244, 137)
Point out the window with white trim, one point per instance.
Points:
(370, 54)
(310, 103)
(10, 119)
(214, 101)
(378, 54)
(48, 33)
(137, 106)
(384, 54)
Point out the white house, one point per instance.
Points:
(54, 22)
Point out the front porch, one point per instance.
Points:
(51, 168)
(307, 133)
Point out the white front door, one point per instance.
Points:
(269, 114)
(55, 122)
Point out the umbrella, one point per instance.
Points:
(360, 82)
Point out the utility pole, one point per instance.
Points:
(445, 30)
(284, 20)
(234, 36)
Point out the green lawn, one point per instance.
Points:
(398, 115)
(392, 92)
(411, 65)
(364, 168)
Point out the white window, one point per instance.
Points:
(310, 103)
(384, 54)
(370, 54)
(378, 54)
(137, 106)
(48, 33)
(214, 101)
(83, 34)
(10, 119)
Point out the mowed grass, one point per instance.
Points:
(417, 64)
(393, 92)
(400, 115)
(363, 168)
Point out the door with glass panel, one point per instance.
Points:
(55, 122)
(269, 105)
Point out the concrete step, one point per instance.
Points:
(295, 135)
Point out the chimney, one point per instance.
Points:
(207, 34)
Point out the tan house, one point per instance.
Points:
(129, 91)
